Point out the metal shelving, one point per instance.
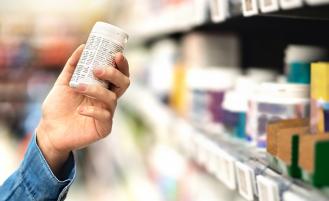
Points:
(237, 164)
(201, 20)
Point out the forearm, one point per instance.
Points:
(34, 179)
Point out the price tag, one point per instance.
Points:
(249, 7)
(200, 11)
(316, 2)
(267, 6)
(217, 164)
(291, 4)
(183, 133)
(268, 190)
(228, 163)
(210, 164)
(202, 152)
(246, 180)
(290, 196)
(219, 10)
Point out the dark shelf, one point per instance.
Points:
(320, 12)
(264, 37)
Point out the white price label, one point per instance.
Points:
(246, 180)
(291, 4)
(290, 196)
(316, 2)
(217, 162)
(268, 190)
(211, 157)
(200, 11)
(184, 134)
(249, 7)
(228, 163)
(202, 152)
(267, 6)
(219, 10)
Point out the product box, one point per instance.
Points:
(288, 149)
(272, 129)
(313, 159)
(320, 97)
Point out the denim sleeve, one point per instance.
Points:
(34, 180)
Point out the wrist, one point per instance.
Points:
(55, 157)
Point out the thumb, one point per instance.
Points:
(68, 70)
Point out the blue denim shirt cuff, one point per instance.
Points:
(40, 180)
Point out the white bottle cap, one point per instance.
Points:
(111, 32)
(212, 78)
(284, 93)
(304, 53)
(235, 101)
(260, 75)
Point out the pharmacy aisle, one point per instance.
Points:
(235, 91)
(228, 101)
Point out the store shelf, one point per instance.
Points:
(148, 30)
(237, 164)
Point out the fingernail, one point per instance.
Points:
(82, 87)
(98, 71)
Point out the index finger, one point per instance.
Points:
(68, 70)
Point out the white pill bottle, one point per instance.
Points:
(104, 41)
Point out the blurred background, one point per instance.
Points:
(184, 56)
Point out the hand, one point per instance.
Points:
(70, 119)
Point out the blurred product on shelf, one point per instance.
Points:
(320, 97)
(164, 54)
(206, 89)
(29, 45)
(313, 152)
(260, 75)
(234, 163)
(298, 59)
(288, 150)
(283, 145)
(201, 49)
(148, 17)
(235, 104)
(179, 96)
(272, 102)
(234, 113)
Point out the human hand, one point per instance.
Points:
(74, 118)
